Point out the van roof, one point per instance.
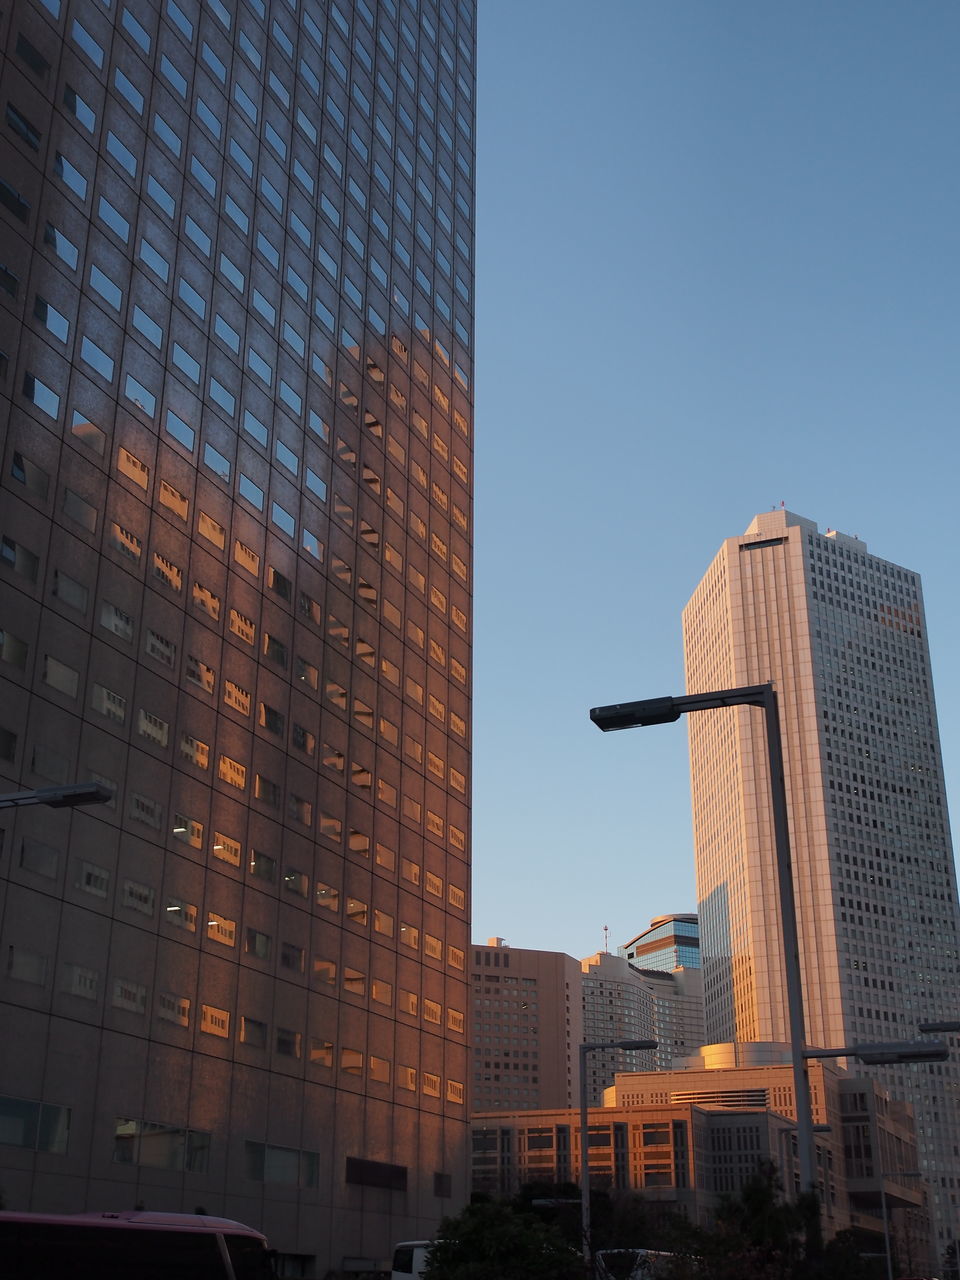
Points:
(136, 1218)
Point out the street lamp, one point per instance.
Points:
(885, 1053)
(584, 1139)
(913, 1173)
(66, 797)
(652, 711)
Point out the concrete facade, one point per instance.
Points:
(236, 439)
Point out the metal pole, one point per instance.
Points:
(806, 1151)
(585, 1164)
(886, 1228)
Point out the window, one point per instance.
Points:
(210, 529)
(44, 397)
(151, 727)
(33, 1126)
(85, 41)
(138, 897)
(242, 626)
(263, 867)
(214, 1021)
(232, 772)
(65, 249)
(321, 1053)
(51, 319)
(188, 830)
(128, 90)
(57, 675)
(199, 673)
(275, 650)
(174, 1008)
(194, 750)
(181, 914)
(221, 930)
(247, 558)
(225, 848)
(122, 154)
(205, 600)
(131, 466)
(253, 1032)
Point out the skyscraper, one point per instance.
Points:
(842, 635)
(235, 409)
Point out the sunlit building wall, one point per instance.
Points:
(842, 635)
(235, 414)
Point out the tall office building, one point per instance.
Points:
(235, 411)
(842, 635)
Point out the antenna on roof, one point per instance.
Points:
(606, 939)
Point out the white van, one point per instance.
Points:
(130, 1243)
(410, 1259)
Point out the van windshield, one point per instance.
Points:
(249, 1257)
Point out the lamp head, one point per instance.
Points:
(627, 715)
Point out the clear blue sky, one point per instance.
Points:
(718, 266)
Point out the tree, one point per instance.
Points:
(760, 1235)
(951, 1261)
(493, 1241)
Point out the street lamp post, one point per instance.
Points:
(653, 711)
(584, 1136)
(886, 1052)
(666, 710)
(65, 797)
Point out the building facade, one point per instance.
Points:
(527, 1025)
(841, 633)
(235, 414)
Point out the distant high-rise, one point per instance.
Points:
(617, 1005)
(671, 942)
(842, 635)
(235, 415)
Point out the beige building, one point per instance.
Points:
(527, 1026)
(841, 633)
(235, 521)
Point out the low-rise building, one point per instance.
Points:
(690, 1135)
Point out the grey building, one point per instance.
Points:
(236, 253)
